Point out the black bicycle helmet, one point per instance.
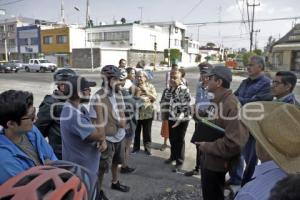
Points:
(111, 71)
(63, 74)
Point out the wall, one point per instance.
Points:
(54, 47)
(77, 38)
(134, 56)
(81, 58)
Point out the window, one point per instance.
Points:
(176, 42)
(11, 28)
(61, 39)
(23, 41)
(176, 30)
(95, 37)
(34, 41)
(190, 45)
(48, 39)
(1, 28)
(116, 36)
(11, 43)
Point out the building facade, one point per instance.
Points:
(285, 54)
(57, 43)
(137, 42)
(28, 42)
(8, 36)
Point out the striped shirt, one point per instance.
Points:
(266, 175)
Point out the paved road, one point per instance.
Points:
(152, 179)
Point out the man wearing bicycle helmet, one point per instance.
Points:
(49, 111)
(113, 121)
(21, 144)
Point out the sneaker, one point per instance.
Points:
(102, 196)
(169, 161)
(118, 186)
(127, 170)
(191, 173)
(148, 152)
(135, 151)
(163, 147)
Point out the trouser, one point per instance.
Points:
(198, 158)
(236, 172)
(212, 184)
(250, 159)
(145, 125)
(177, 142)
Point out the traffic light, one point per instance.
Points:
(155, 46)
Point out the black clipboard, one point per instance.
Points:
(206, 131)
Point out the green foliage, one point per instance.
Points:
(258, 52)
(231, 55)
(210, 44)
(207, 58)
(175, 55)
(246, 57)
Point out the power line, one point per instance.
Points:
(194, 7)
(242, 13)
(12, 2)
(240, 21)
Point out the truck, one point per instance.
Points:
(40, 65)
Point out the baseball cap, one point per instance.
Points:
(222, 72)
(81, 83)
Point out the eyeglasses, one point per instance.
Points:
(276, 83)
(30, 116)
(250, 64)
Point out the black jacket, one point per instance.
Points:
(48, 120)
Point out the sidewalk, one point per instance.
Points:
(153, 179)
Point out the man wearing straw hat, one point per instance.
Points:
(276, 130)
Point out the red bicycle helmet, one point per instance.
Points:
(44, 183)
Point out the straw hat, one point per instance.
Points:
(277, 129)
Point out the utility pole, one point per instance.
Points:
(252, 21)
(141, 17)
(62, 12)
(87, 17)
(255, 46)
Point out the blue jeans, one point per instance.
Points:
(250, 159)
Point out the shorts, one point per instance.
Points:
(114, 154)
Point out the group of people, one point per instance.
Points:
(105, 124)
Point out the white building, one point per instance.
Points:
(8, 31)
(135, 42)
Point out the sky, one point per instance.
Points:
(186, 11)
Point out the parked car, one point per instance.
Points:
(6, 67)
(16, 63)
(40, 65)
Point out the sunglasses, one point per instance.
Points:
(30, 116)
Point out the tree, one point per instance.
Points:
(123, 20)
(210, 44)
(270, 44)
(231, 55)
(246, 57)
(258, 52)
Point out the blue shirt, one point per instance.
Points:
(265, 177)
(14, 161)
(252, 90)
(75, 127)
(202, 100)
(290, 98)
